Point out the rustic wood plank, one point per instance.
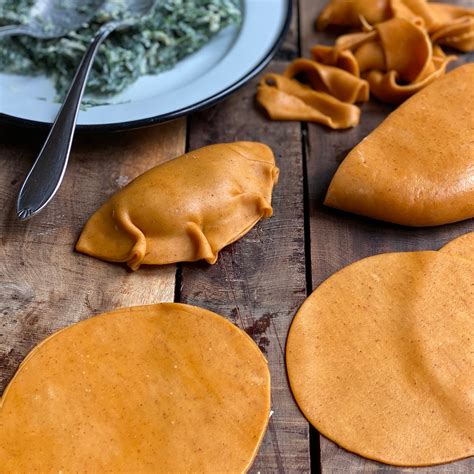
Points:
(259, 282)
(289, 48)
(44, 284)
(338, 238)
(335, 460)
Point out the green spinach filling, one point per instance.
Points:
(172, 30)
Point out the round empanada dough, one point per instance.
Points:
(381, 358)
(463, 246)
(150, 389)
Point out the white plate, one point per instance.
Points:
(233, 57)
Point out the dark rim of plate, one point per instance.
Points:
(214, 99)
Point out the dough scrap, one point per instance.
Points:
(351, 13)
(337, 82)
(380, 358)
(387, 87)
(396, 54)
(455, 27)
(186, 209)
(416, 168)
(150, 389)
(328, 99)
(337, 57)
(396, 58)
(288, 99)
(463, 247)
(448, 25)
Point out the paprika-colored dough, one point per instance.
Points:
(380, 358)
(463, 247)
(287, 99)
(395, 53)
(449, 25)
(416, 168)
(149, 389)
(186, 209)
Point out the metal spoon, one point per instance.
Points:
(54, 18)
(48, 170)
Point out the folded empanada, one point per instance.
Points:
(417, 167)
(186, 209)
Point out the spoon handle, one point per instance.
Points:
(48, 170)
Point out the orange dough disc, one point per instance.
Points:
(150, 389)
(463, 246)
(186, 209)
(416, 168)
(381, 358)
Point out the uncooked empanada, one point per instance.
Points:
(417, 167)
(186, 209)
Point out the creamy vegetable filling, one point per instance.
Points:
(173, 30)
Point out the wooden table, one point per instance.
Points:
(258, 283)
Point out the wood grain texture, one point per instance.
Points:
(44, 284)
(338, 238)
(259, 281)
(289, 48)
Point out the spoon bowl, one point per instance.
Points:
(124, 13)
(54, 18)
(119, 9)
